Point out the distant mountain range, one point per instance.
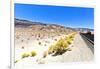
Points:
(27, 23)
(84, 29)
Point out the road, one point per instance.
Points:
(81, 50)
(89, 42)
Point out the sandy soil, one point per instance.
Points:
(32, 44)
(79, 51)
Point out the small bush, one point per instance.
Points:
(39, 43)
(25, 55)
(71, 36)
(16, 61)
(22, 47)
(55, 39)
(61, 46)
(69, 41)
(33, 53)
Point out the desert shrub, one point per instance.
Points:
(22, 47)
(55, 39)
(71, 36)
(33, 53)
(61, 45)
(25, 55)
(69, 41)
(16, 61)
(39, 43)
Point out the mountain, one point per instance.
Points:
(42, 27)
(21, 22)
(84, 29)
(46, 27)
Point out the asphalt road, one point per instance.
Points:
(89, 42)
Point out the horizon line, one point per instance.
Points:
(50, 23)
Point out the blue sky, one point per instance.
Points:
(76, 17)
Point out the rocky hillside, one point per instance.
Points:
(42, 27)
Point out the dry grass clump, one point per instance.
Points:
(25, 55)
(61, 46)
(16, 61)
(39, 43)
(22, 47)
(55, 39)
(31, 54)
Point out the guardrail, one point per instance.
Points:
(87, 38)
(90, 41)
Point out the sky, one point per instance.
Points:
(75, 17)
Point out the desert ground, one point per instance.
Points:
(39, 44)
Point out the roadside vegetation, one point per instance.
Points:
(25, 55)
(33, 53)
(62, 45)
(30, 54)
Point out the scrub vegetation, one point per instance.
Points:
(61, 46)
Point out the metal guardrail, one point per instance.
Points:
(90, 41)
